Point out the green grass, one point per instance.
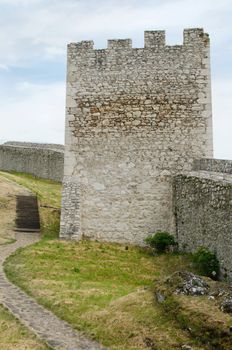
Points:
(102, 289)
(14, 336)
(48, 191)
(98, 287)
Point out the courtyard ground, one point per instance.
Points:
(107, 290)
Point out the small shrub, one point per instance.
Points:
(206, 263)
(160, 241)
(76, 269)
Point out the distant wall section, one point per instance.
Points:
(35, 159)
(53, 146)
(215, 165)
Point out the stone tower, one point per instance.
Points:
(135, 117)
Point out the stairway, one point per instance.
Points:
(27, 214)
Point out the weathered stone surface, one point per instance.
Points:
(53, 146)
(203, 207)
(226, 305)
(160, 297)
(187, 283)
(42, 160)
(134, 118)
(186, 347)
(213, 165)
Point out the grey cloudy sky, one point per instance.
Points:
(34, 35)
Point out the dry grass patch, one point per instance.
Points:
(209, 311)
(200, 315)
(139, 321)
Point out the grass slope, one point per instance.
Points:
(102, 289)
(105, 290)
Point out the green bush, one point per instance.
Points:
(160, 241)
(206, 263)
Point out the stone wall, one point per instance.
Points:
(53, 146)
(38, 161)
(134, 118)
(215, 165)
(203, 208)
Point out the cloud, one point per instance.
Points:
(222, 121)
(34, 113)
(34, 33)
(44, 27)
(18, 2)
(3, 67)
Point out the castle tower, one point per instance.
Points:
(135, 117)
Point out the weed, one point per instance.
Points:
(206, 263)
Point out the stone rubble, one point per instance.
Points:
(188, 283)
(226, 305)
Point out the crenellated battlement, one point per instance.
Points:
(195, 36)
(153, 40)
(119, 44)
(83, 45)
